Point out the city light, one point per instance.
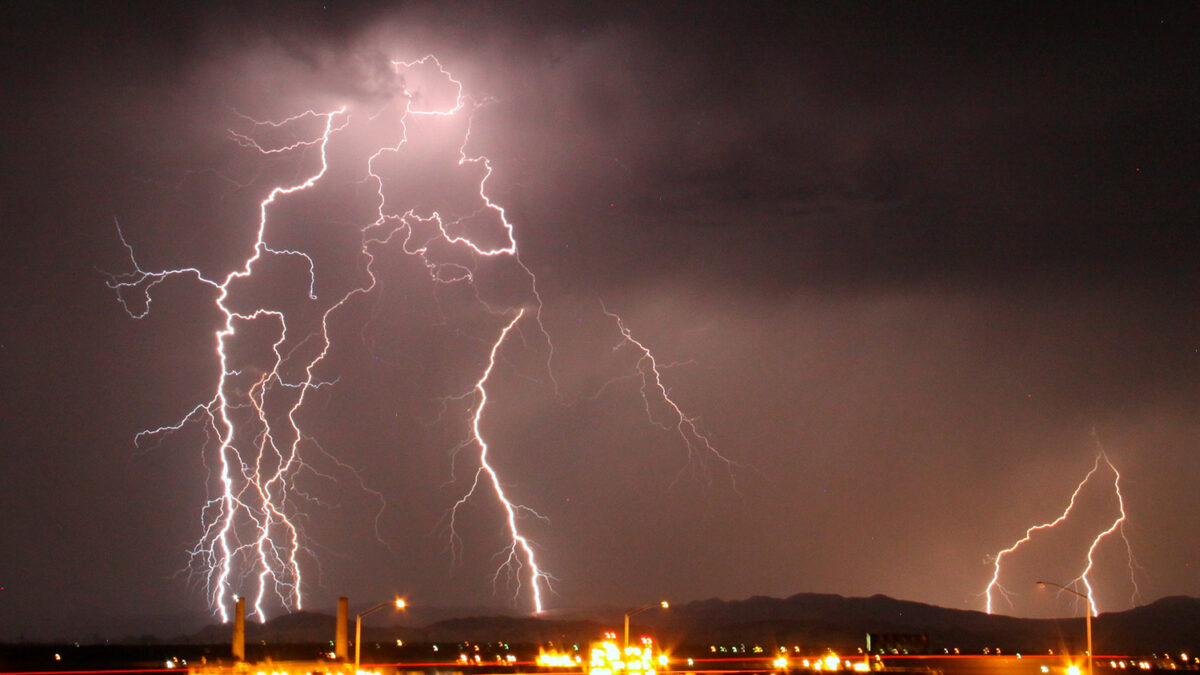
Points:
(557, 660)
(606, 658)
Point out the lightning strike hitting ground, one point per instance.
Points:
(520, 545)
(248, 517)
(250, 533)
(1118, 525)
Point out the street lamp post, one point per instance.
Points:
(664, 604)
(398, 604)
(1087, 600)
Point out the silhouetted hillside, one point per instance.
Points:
(524, 630)
(809, 620)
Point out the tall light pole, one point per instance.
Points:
(664, 604)
(397, 603)
(1087, 601)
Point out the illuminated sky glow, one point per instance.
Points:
(893, 266)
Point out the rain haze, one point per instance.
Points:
(908, 272)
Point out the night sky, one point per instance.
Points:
(910, 267)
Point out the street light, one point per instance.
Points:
(397, 603)
(1087, 617)
(664, 604)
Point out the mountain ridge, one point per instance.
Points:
(809, 620)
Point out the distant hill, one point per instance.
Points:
(816, 619)
(809, 620)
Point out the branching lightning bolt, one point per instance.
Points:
(520, 545)
(700, 447)
(253, 493)
(250, 535)
(1118, 525)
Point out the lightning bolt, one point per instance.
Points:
(250, 531)
(1117, 526)
(699, 445)
(520, 546)
(248, 517)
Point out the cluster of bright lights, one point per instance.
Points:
(1117, 526)
(831, 661)
(250, 533)
(476, 659)
(606, 658)
(558, 659)
(310, 668)
(1147, 665)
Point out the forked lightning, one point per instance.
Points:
(250, 535)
